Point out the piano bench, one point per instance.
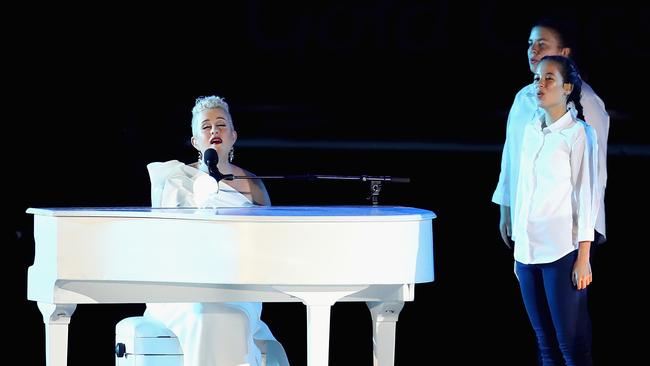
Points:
(146, 342)
(141, 341)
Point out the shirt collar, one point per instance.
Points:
(563, 122)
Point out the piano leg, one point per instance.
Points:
(384, 320)
(318, 333)
(318, 304)
(56, 318)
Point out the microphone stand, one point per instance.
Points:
(375, 181)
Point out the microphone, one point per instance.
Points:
(211, 159)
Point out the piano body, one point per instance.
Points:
(317, 255)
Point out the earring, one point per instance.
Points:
(200, 156)
(231, 155)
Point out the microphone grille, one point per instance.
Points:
(210, 157)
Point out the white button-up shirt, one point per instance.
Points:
(523, 110)
(557, 189)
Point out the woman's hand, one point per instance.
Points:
(581, 275)
(505, 226)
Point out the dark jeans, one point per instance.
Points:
(557, 311)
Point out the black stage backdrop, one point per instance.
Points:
(416, 89)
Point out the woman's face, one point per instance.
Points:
(549, 85)
(214, 130)
(543, 42)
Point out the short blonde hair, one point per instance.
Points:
(210, 102)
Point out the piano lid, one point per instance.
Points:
(259, 213)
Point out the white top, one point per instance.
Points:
(523, 110)
(175, 184)
(557, 199)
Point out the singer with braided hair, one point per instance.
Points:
(555, 213)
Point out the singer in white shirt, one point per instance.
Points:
(555, 215)
(213, 334)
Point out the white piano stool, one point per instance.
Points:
(141, 341)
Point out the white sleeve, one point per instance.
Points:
(501, 195)
(597, 117)
(584, 170)
(166, 183)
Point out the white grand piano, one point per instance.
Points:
(314, 255)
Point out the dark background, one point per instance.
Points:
(403, 88)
